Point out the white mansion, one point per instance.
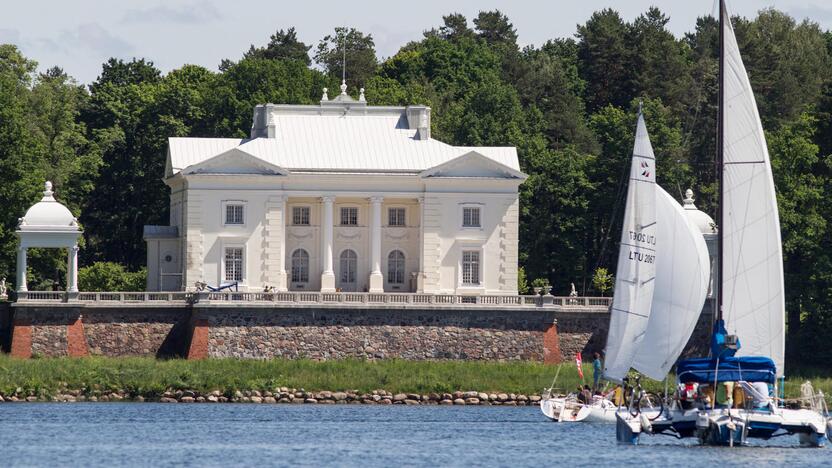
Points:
(338, 196)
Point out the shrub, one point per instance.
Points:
(110, 276)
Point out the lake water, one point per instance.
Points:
(149, 434)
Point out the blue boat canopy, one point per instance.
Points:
(731, 369)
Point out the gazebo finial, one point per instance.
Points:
(47, 192)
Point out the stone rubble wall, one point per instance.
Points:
(313, 332)
(378, 334)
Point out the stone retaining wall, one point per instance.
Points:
(312, 332)
(377, 334)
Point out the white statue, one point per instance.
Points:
(573, 292)
(3, 289)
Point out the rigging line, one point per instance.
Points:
(618, 202)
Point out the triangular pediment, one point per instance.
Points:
(473, 164)
(235, 161)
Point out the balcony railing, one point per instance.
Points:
(348, 299)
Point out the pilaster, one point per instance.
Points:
(274, 244)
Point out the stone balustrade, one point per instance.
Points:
(346, 299)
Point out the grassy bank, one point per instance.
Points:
(151, 377)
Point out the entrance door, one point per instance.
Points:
(347, 272)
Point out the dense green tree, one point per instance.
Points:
(350, 48)
(21, 177)
(659, 62)
(283, 45)
(605, 56)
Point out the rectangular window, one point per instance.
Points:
(233, 214)
(300, 215)
(349, 216)
(395, 217)
(471, 267)
(470, 217)
(233, 264)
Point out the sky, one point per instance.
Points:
(80, 35)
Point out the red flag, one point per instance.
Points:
(578, 362)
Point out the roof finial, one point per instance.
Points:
(325, 97)
(688, 201)
(47, 192)
(361, 97)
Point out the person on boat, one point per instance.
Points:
(581, 396)
(706, 396)
(587, 393)
(597, 370)
(687, 395)
(725, 395)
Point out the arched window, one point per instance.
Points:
(300, 266)
(395, 267)
(349, 263)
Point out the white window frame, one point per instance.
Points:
(292, 266)
(224, 212)
(341, 270)
(404, 216)
(308, 214)
(243, 263)
(462, 261)
(403, 271)
(478, 206)
(341, 215)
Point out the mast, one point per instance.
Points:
(719, 157)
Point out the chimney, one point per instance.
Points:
(418, 117)
(262, 125)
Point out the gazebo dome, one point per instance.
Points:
(699, 218)
(48, 215)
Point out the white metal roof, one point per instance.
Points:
(347, 142)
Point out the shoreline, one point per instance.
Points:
(281, 395)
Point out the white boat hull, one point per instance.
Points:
(569, 410)
(726, 426)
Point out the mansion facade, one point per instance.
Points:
(340, 196)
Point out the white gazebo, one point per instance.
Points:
(48, 224)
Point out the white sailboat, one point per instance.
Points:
(636, 272)
(750, 296)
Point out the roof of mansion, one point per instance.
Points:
(341, 135)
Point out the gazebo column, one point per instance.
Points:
(21, 269)
(376, 278)
(328, 274)
(72, 270)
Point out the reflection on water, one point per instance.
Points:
(148, 434)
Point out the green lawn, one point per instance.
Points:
(151, 377)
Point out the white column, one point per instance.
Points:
(420, 274)
(282, 283)
(72, 270)
(376, 278)
(21, 269)
(328, 275)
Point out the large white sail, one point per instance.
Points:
(634, 281)
(753, 301)
(682, 277)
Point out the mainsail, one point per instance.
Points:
(634, 281)
(682, 276)
(753, 303)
